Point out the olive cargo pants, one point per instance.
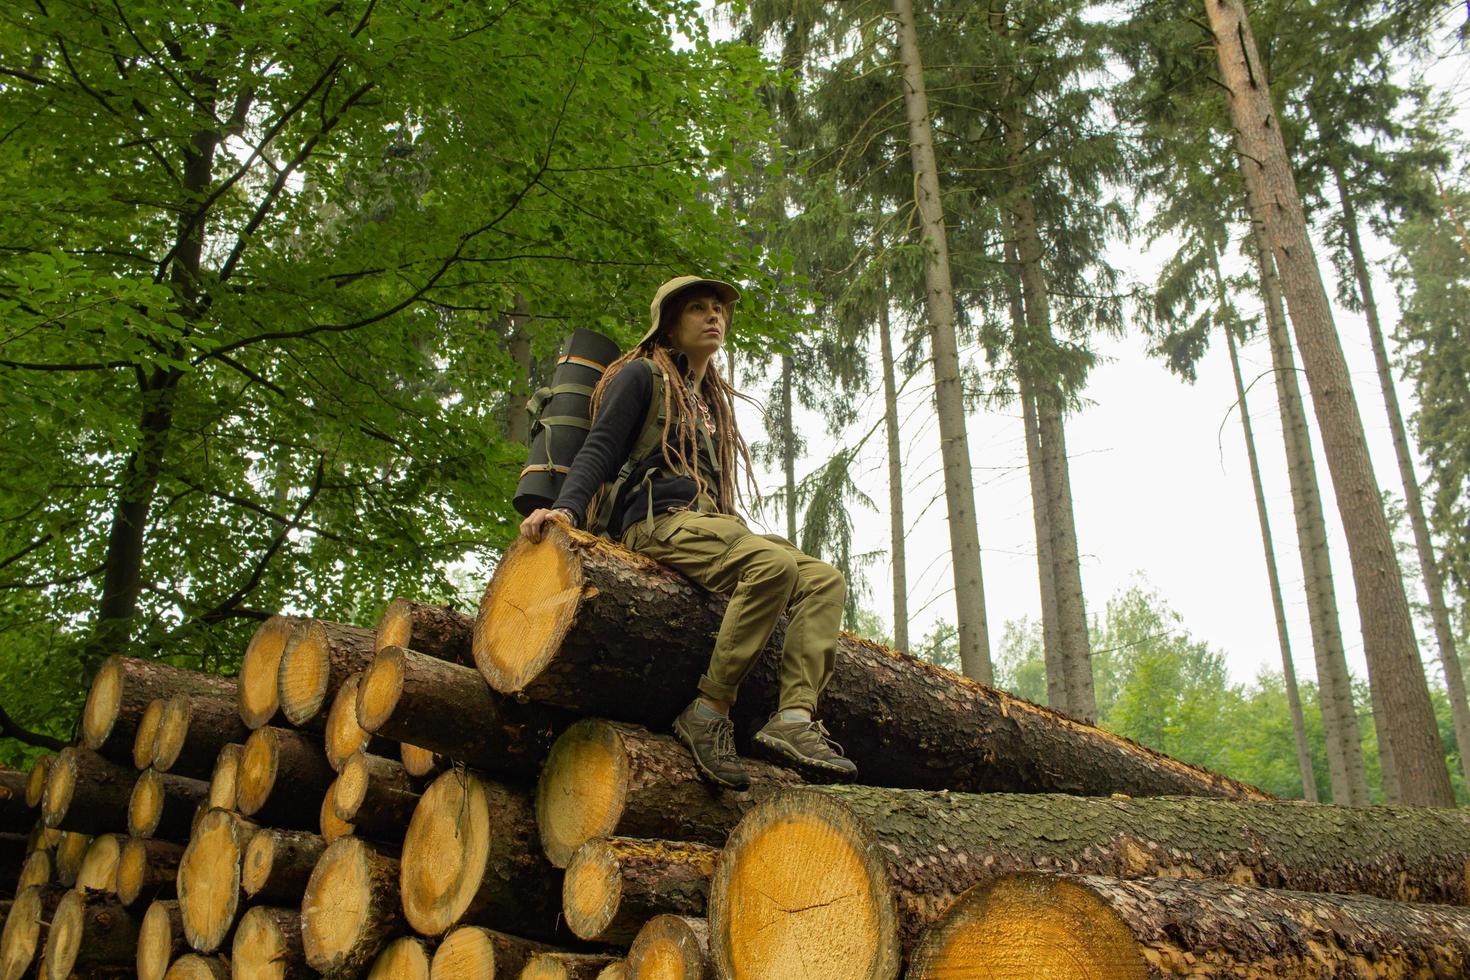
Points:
(763, 574)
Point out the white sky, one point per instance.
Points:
(1161, 489)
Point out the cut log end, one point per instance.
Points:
(145, 806)
(160, 940)
(224, 792)
(349, 908)
(132, 871)
(773, 892)
(444, 852)
(344, 735)
(616, 970)
(36, 780)
(64, 938)
(351, 786)
(669, 947)
(258, 692)
(403, 959)
(416, 761)
(36, 871)
(195, 967)
(268, 945)
(99, 865)
(591, 890)
(466, 952)
(61, 785)
(173, 731)
(565, 966)
(70, 849)
(332, 826)
(582, 789)
(395, 629)
(145, 739)
(1029, 925)
(526, 610)
(380, 688)
(209, 879)
(256, 776)
(305, 673)
(20, 942)
(104, 699)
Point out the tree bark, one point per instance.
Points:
(896, 528)
(278, 864)
(442, 706)
(87, 793)
(1278, 607)
(268, 944)
(121, 692)
(878, 867)
(618, 636)
(471, 856)
(1334, 686)
(614, 885)
(438, 631)
(954, 445)
(474, 951)
(676, 943)
(1439, 615)
(788, 444)
(1394, 668)
(317, 660)
(160, 940)
(647, 787)
(193, 730)
(350, 910)
(1167, 927)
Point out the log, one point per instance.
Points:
(578, 622)
(471, 856)
(278, 864)
(25, 929)
(879, 865)
(36, 780)
(35, 871)
(376, 796)
(195, 967)
(614, 885)
(343, 735)
(616, 970)
(289, 761)
(89, 930)
(318, 658)
(405, 958)
(350, 910)
(70, 850)
(1077, 925)
(209, 879)
(163, 804)
(606, 779)
(145, 739)
(120, 693)
(224, 791)
(438, 631)
(674, 947)
(98, 871)
(565, 966)
(333, 827)
(477, 952)
(259, 686)
(194, 730)
(419, 762)
(147, 870)
(268, 946)
(160, 939)
(43, 838)
(87, 792)
(438, 705)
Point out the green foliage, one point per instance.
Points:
(255, 268)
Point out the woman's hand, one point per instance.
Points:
(534, 526)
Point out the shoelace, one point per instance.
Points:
(724, 739)
(820, 730)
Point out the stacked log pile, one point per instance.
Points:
(442, 797)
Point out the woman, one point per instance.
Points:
(675, 502)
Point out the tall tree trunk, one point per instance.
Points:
(1051, 649)
(517, 421)
(954, 444)
(1394, 668)
(1283, 638)
(1454, 677)
(895, 475)
(1345, 768)
(788, 444)
(1072, 638)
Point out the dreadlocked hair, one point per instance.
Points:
(680, 442)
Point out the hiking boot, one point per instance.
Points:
(807, 744)
(710, 738)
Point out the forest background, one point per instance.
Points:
(276, 283)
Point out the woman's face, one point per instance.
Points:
(700, 326)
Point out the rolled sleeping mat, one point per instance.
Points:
(561, 417)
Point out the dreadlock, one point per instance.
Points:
(680, 444)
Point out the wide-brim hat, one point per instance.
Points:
(727, 293)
